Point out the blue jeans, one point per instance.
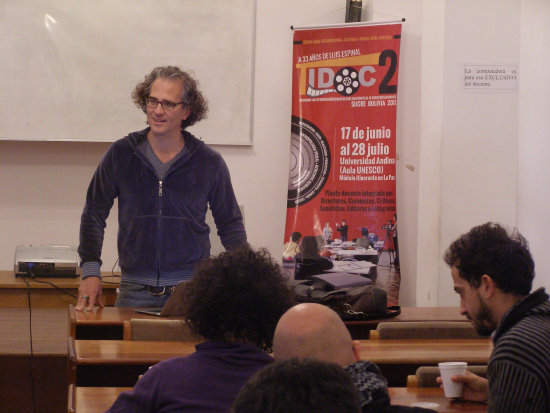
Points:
(135, 295)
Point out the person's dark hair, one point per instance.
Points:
(192, 97)
(490, 249)
(295, 236)
(297, 386)
(309, 247)
(237, 296)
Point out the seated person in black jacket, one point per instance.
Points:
(308, 261)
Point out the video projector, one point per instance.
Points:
(46, 261)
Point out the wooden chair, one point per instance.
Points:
(157, 330)
(425, 375)
(402, 330)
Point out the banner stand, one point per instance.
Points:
(342, 188)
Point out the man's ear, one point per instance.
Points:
(186, 113)
(487, 287)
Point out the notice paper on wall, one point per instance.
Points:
(490, 78)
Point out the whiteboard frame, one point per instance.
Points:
(237, 133)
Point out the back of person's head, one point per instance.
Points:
(490, 249)
(309, 247)
(362, 242)
(364, 232)
(320, 242)
(237, 296)
(295, 236)
(299, 386)
(311, 330)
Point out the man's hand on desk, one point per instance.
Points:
(89, 294)
(475, 388)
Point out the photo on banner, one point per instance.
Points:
(342, 187)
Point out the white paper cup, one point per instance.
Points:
(452, 389)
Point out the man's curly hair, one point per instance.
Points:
(191, 96)
(489, 249)
(237, 296)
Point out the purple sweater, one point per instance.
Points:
(162, 233)
(206, 381)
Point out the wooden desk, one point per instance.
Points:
(95, 399)
(46, 369)
(112, 352)
(119, 362)
(125, 360)
(399, 358)
(419, 314)
(426, 352)
(410, 396)
(360, 329)
(99, 399)
(102, 323)
(14, 291)
(107, 323)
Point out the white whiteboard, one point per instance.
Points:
(68, 67)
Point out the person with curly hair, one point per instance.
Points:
(234, 302)
(164, 179)
(299, 386)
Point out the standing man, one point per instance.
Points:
(343, 230)
(327, 233)
(493, 273)
(164, 179)
(394, 238)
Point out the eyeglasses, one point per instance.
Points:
(166, 104)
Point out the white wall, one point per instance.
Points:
(534, 127)
(457, 154)
(429, 194)
(480, 130)
(494, 151)
(43, 184)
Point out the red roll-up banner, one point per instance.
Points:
(342, 155)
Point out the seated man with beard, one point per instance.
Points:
(493, 273)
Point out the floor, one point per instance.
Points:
(388, 278)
